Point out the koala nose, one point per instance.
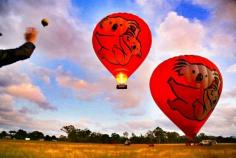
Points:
(199, 77)
(114, 27)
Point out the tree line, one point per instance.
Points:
(22, 135)
(156, 136)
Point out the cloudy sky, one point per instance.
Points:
(64, 83)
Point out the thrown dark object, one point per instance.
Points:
(0, 34)
(44, 22)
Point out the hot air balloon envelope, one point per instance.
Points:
(187, 89)
(121, 42)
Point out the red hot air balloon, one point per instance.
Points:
(121, 42)
(187, 89)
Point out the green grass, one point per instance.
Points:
(36, 149)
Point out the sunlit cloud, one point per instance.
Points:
(232, 68)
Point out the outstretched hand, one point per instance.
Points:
(31, 34)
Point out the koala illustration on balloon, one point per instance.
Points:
(197, 99)
(118, 40)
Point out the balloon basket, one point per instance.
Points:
(121, 86)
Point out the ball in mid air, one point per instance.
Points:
(44, 22)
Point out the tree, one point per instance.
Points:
(68, 129)
(62, 138)
(72, 136)
(172, 137)
(105, 138)
(95, 137)
(71, 132)
(21, 134)
(126, 134)
(135, 139)
(47, 138)
(36, 135)
(133, 135)
(115, 138)
(83, 135)
(150, 135)
(3, 134)
(86, 132)
(12, 133)
(54, 137)
(201, 137)
(160, 135)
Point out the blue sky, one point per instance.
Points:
(192, 11)
(71, 86)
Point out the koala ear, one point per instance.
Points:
(216, 77)
(136, 26)
(104, 19)
(179, 65)
(133, 22)
(101, 23)
(215, 74)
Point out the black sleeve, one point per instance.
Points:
(10, 56)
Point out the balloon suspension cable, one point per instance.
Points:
(121, 79)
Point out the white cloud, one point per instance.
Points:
(84, 90)
(231, 68)
(6, 102)
(230, 93)
(222, 12)
(222, 122)
(13, 119)
(29, 92)
(156, 10)
(105, 86)
(221, 44)
(177, 35)
(71, 82)
(19, 85)
(221, 27)
(42, 73)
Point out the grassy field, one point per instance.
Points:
(36, 149)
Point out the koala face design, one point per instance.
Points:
(194, 102)
(196, 74)
(118, 39)
(132, 44)
(117, 26)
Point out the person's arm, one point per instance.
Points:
(23, 52)
(10, 56)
